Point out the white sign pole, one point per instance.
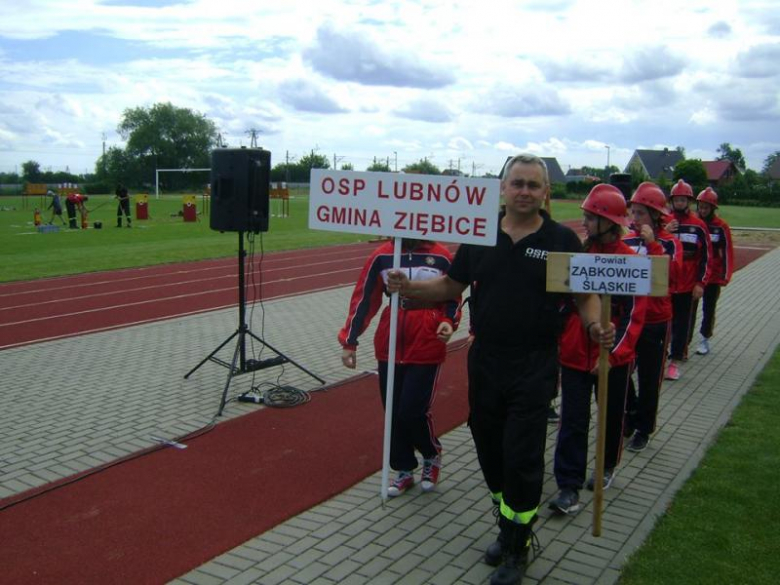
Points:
(390, 375)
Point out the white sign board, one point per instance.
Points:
(609, 274)
(430, 207)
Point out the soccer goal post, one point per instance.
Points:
(157, 177)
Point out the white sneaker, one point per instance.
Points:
(704, 346)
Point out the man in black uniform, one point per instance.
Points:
(513, 361)
(124, 205)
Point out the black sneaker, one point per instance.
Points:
(609, 475)
(567, 502)
(638, 442)
(552, 416)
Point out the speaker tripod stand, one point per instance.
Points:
(240, 365)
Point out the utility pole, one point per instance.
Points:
(103, 135)
(336, 159)
(287, 163)
(395, 153)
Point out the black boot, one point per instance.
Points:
(516, 544)
(495, 551)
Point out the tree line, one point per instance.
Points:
(165, 136)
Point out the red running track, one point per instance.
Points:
(53, 308)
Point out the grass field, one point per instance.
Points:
(165, 237)
(722, 525)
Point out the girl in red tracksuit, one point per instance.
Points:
(648, 237)
(604, 217)
(721, 266)
(423, 331)
(697, 251)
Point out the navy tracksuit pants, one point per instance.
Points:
(412, 427)
(571, 450)
(642, 405)
(682, 311)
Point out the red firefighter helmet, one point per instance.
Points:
(606, 201)
(650, 195)
(682, 189)
(708, 196)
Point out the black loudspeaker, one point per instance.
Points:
(623, 182)
(240, 182)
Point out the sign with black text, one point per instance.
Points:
(429, 207)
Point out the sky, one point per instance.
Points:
(461, 84)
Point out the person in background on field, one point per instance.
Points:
(648, 237)
(74, 202)
(697, 251)
(123, 206)
(513, 360)
(604, 215)
(722, 267)
(55, 206)
(424, 328)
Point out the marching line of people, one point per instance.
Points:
(526, 340)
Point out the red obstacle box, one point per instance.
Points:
(190, 208)
(141, 206)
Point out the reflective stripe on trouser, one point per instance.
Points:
(509, 396)
(518, 517)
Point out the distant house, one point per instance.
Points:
(720, 172)
(554, 170)
(654, 164)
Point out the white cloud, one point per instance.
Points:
(351, 56)
(435, 79)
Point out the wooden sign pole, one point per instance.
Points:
(559, 280)
(601, 419)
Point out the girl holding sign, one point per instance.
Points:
(423, 331)
(648, 237)
(604, 213)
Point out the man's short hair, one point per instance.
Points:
(528, 159)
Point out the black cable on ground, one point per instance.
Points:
(282, 396)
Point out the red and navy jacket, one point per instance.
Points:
(659, 309)
(416, 341)
(697, 251)
(722, 261)
(577, 351)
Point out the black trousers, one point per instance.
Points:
(709, 304)
(412, 427)
(642, 403)
(682, 311)
(123, 207)
(509, 396)
(71, 207)
(571, 450)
